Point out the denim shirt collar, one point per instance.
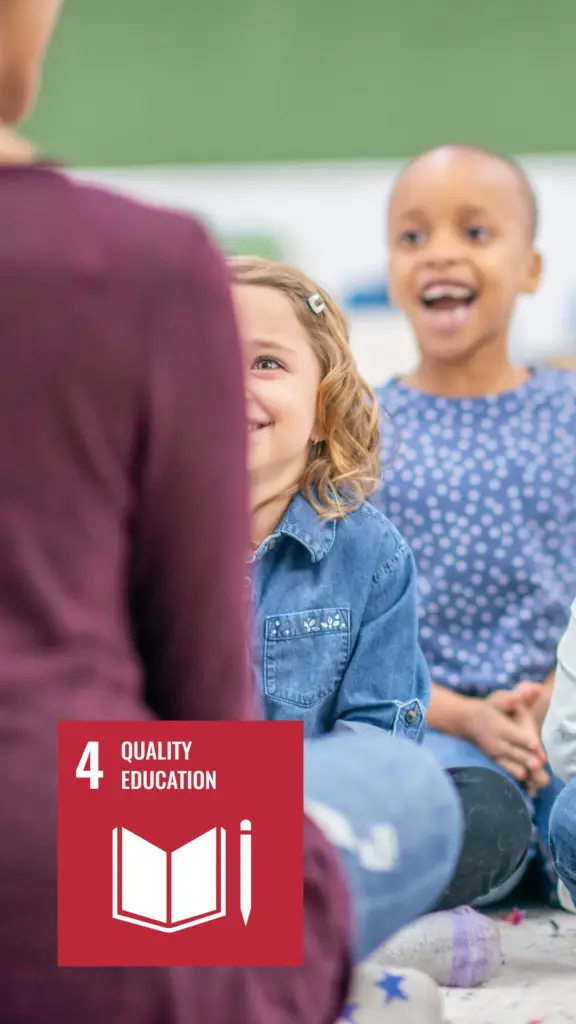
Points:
(304, 525)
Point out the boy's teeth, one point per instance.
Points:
(446, 291)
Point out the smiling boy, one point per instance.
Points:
(484, 481)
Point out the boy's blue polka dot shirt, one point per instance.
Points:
(484, 490)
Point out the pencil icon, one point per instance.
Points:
(245, 869)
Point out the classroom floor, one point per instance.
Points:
(537, 982)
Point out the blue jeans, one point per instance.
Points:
(395, 819)
(453, 752)
(563, 836)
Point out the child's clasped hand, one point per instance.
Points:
(504, 727)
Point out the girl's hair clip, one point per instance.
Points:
(316, 303)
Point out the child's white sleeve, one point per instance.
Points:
(559, 731)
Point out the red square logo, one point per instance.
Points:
(180, 844)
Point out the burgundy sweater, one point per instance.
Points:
(122, 552)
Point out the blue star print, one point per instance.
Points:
(390, 984)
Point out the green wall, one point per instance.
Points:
(183, 81)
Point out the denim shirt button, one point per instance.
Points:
(411, 716)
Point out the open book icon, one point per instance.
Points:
(168, 891)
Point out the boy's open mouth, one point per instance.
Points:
(446, 304)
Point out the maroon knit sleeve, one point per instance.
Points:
(191, 522)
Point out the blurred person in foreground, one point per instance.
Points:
(123, 543)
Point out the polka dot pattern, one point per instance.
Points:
(484, 490)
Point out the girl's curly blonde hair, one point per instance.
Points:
(344, 468)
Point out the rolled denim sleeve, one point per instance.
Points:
(387, 684)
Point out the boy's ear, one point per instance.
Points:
(533, 275)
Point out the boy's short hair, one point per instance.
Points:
(525, 186)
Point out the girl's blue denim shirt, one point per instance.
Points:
(336, 624)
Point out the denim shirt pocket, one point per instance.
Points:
(305, 655)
